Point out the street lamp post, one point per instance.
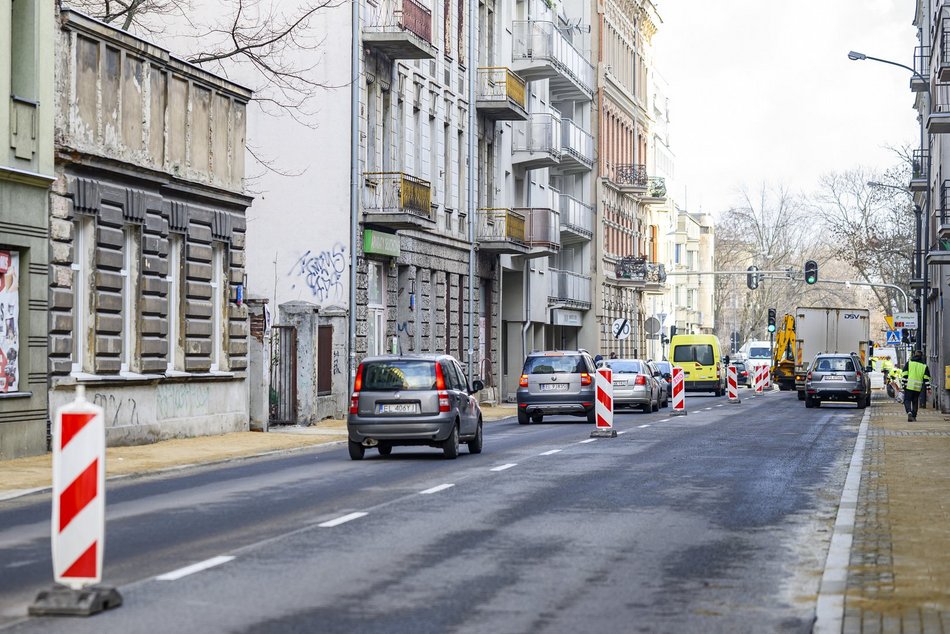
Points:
(923, 223)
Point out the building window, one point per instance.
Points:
(174, 277)
(376, 313)
(23, 49)
(82, 292)
(130, 291)
(219, 320)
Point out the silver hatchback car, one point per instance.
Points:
(637, 383)
(413, 400)
(837, 377)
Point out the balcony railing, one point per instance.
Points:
(656, 188)
(400, 28)
(398, 199)
(943, 213)
(938, 121)
(540, 50)
(543, 229)
(629, 176)
(576, 218)
(577, 147)
(568, 287)
(637, 269)
(922, 66)
(501, 94)
(920, 171)
(537, 142)
(501, 231)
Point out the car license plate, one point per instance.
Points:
(554, 387)
(398, 408)
(620, 383)
(833, 377)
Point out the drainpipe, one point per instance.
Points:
(472, 74)
(527, 276)
(354, 177)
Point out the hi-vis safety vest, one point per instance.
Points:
(914, 376)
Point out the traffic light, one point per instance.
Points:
(672, 331)
(752, 278)
(811, 272)
(771, 320)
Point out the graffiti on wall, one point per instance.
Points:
(179, 400)
(338, 350)
(322, 272)
(117, 412)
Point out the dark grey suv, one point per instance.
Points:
(837, 377)
(556, 382)
(413, 400)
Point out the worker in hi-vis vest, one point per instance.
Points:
(916, 379)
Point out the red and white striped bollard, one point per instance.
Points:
(679, 393)
(759, 379)
(604, 404)
(732, 384)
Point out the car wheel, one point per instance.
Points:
(862, 402)
(655, 407)
(522, 417)
(356, 450)
(592, 416)
(646, 408)
(475, 444)
(384, 449)
(537, 418)
(450, 446)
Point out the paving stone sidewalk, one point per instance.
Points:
(899, 572)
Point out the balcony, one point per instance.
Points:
(942, 213)
(400, 29)
(922, 66)
(501, 94)
(536, 143)
(577, 221)
(938, 121)
(920, 170)
(397, 201)
(629, 178)
(650, 277)
(542, 231)
(656, 191)
(501, 231)
(943, 53)
(569, 288)
(577, 149)
(540, 51)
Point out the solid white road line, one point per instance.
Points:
(584, 442)
(548, 453)
(619, 433)
(720, 405)
(665, 420)
(342, 520)
(642, 426)
(504, 466)
(192, 569)
(441, 487)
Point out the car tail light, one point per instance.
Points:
(524, 381)
(443, 401)
(808, 377)
(858, 376)
(357, 386)
(640, 380)
(585, 378)
(439, 381)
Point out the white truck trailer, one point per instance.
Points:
(820, 330)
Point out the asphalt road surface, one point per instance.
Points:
(718, 521)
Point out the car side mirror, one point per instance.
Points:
(477, 386)
(668, 376)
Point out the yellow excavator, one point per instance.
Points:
(783, 355)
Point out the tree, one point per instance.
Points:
(871, 228)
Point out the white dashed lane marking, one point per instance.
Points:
(192, 569)
(441, 487)
(548, 453)
(642, 426)
(342, 520)
(504, 466)
(621, 432)
(584, 442)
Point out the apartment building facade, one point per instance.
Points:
(147, 237)
(26, 171)
(930, 185)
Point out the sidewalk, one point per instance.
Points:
(898, 578)
(26, 475)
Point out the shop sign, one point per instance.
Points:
(380, 243)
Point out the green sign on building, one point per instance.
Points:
(380, 243)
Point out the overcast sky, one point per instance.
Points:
(763, 91)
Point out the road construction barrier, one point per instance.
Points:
(679, 392)
(604, 404)
(760, 379)
(732, 384)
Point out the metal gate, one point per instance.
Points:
(283, 375)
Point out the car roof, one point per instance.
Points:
(408, 357)
(555, 353)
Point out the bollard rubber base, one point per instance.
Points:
(735, 400)
(603, 432)
(678, 412)
(62, 600)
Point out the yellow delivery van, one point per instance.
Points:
(700, 356)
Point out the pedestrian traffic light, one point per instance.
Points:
(672, 331)
(752, 278)
(771, 320)
(811, 272)
(905, 335)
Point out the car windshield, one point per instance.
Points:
(664, 367)
(624, 367)
(759, 353)
(573, 364)
(701, 353)
(398, 375)
(835, 364)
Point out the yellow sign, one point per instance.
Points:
(946, 378)
(890, 322)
